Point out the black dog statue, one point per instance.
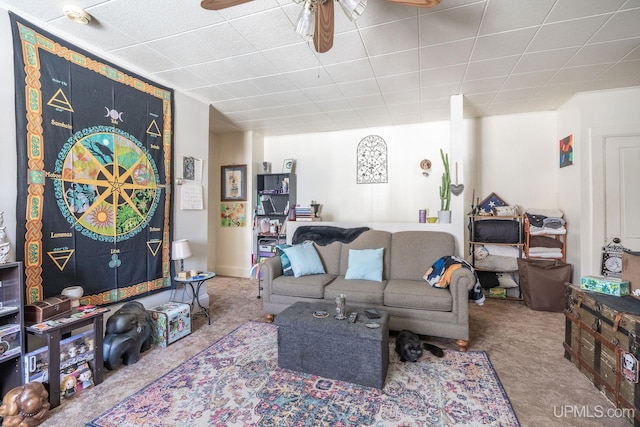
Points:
(127, 334)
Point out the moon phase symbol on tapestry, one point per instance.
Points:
(114, 115)
(109, 187)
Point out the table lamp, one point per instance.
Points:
(179, 251)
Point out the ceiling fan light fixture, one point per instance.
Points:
(307, 21)
(352, 8)
(76, 14)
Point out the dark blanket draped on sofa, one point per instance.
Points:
(324, 234)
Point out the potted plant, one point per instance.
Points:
(444, 214)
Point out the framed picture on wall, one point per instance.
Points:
(287, 165)
(233, 183)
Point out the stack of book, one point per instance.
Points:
(305, 213)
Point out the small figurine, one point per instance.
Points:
(25, 405)
(68, 386)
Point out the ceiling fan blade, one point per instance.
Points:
(323, 36)
(417, 3)
(220, 4)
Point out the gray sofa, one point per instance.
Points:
(411, 302)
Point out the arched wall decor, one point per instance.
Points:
(372, 160)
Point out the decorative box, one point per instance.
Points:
(497, 292)
(605, 285)
(9, 340)
(50, 307)
(172, 321)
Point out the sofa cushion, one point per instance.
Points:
(330, 256)
(365, 264)
(368, 240)
(311, 286)
(416, 295)
(414, 251)
(361, 292)
(304, 259)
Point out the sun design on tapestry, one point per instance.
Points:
(108, 185)
(372, 160)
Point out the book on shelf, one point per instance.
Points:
(308, 219)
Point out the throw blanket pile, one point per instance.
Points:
(323, 234)
(439, 276)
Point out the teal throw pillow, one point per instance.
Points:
(304, 259)
(365, 264)
(284, 259)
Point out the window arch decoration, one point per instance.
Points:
(372, 160)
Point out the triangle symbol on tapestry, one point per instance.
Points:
(61, 257)
(153, 129)
(154, 246)
(59, 100)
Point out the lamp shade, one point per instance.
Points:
(180, 249)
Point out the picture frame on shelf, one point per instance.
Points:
(233, 183)
(288, 165)
(486, 206)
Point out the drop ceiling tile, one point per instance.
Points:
(293, 57)
(344, 115)
(391, 37)
(396, 63)
(399, 82)
(312, 77)
(450, 24)
(622, 25)
(373, 100)
(185, 16)
(359, 88)
(205, 44)
(527, 80)
(323, 93)
(564, 89)
(294, 97)
(441, 76)
(152, 60)
(583, 73)
(515, 95)
(491, 68)
(182, 78)
(402, 97)
(483, 85)
(545, 60)
(566, 34)
(340, 104)
(232, 105)
(623, 70)
(248, 8)
(443, 91)
(380, 12)
(267, 29)
(350, 71)
(257, 86)
(103, 38)
(604, 52)
(572, 9)
(446, 54)
(346, 47)
(212, 93)
(502, 44)
(506, 15)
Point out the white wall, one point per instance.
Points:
(326, 171)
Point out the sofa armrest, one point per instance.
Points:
(270, 269)
(462, 281)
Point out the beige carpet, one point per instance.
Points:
(525, 348)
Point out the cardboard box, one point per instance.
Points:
(9, 341)
(605, 285)
(497, 292)
(172, 321)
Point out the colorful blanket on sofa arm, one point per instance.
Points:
(439, 276)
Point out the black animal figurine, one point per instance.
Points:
(409, 347)
(128, 333)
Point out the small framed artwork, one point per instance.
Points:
(233, 183)
(287, 165)
(566, 151)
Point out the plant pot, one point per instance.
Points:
(444, 217)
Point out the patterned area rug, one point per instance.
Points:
(236, 382)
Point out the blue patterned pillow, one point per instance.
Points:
(284, 259)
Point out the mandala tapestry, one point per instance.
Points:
(94, 172)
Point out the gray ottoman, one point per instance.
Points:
(333, 348)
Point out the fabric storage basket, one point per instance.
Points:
(543, 283)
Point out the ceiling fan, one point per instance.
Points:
(316, 18)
